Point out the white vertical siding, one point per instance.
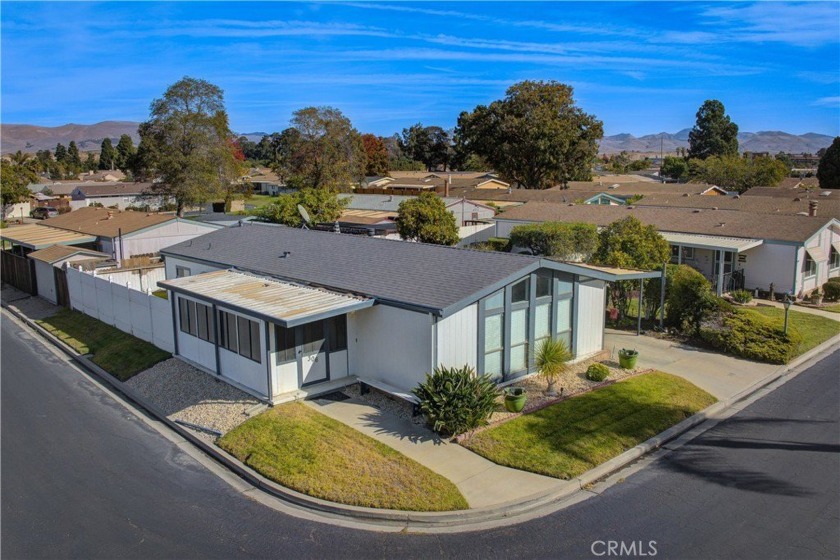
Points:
(195, 268)
(157, 238)
(589, 324)
(770, 263)
(457, 338)
(191, 347)
(390, 344)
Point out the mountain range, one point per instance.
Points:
(31, 138)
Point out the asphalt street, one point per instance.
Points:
(82, 477)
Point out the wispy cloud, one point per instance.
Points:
(808, 24)
(833, 101)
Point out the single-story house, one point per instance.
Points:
(607, 199)
(277, 310)
(732, 248)
(47, 260)
(822, 206)
(386, 206)
(17, 211)
(119, 195)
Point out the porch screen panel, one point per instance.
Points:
(542, 326)
(285, 342)
(493, 345)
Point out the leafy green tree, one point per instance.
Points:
(714, 133)
(90, 162)
(14, 180)
(690, 299)
(785, 159)
(328, 152)
(536, 136)
(565, 241)
(627, 243)
(430, 145)
(376, 156)
(185, 142)
(426, 219)
(107, 155)
(125, 151)
(323, 206)
(736, 173)
(828, 170)
(674, 167)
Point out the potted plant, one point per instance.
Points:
(515, 398)
(627, 358)
(552, 359)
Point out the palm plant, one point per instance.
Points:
(552, 359)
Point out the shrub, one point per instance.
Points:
(834, 280)
(750, 335)
(597, 372)
(456, 400)
(552, 359)
(653, 291)
(498, 244)
(741, 296)
(690, 299)
(831, 290)
(566, 241)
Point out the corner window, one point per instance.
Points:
(519, 291)
(543, 285)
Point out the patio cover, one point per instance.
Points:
(273, 300)
(817, 253)
(714, 242)
(35, 236)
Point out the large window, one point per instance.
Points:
(809, 266)
(284, 341)
(494, 335)
(196, 319)
(181, 271)
(240, 335)
(337, 333)
(834, 259)
(687, 253)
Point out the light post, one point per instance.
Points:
(787, 303)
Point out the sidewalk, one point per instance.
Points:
(481, 482)
(722, 376)
(800, 308)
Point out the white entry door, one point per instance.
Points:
(313, 353)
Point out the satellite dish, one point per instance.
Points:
(307, 221)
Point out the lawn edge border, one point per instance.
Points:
(465, 519)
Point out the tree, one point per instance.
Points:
(674, 167)
(231, 171)
(107, 155)
(328, 152)
(714, 133)
(60, 153)
(627, 243)
(536, 136)
(125, 151)
(14, 181)
(426, 219)
(565, 241)
(828, 170)
(185, 142)
(281, 151)
(74, 158)
(690, 299)
(736, 173)
(376, 156)
(323, 206)
(90, 162)
(430, 145)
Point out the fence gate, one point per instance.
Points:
(62, 294)
(19, 272)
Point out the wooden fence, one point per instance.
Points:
(19, 272)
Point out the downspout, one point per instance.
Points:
(795, 271)
(268, 362)
(174, 321)
(662, 297)
(434, 348)
(216, 335)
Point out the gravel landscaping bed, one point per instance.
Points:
(32, 307)
(386, 404)
(185, 393)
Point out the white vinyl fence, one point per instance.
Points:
(475, 233)
(142, 279)
(138, 313)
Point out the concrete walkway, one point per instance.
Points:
(722, 376)
(482, 482)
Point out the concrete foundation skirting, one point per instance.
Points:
(421, 520)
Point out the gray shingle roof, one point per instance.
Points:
(415, 274)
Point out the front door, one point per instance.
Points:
(312, 348)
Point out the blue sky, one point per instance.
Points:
(640, 67)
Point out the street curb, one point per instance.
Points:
(418, 520)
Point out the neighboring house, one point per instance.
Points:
(118, 195)
(220, 218)
(607, 199)
(384, 208)
(818, 206)
(276, 310)
(17, 211)
(578, 191)
(47, 260)
(732, 248)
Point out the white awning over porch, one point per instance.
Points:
(817, 253)
(713, 242)
(281, 302)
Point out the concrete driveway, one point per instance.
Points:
(722, 376)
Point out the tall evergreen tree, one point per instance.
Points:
(74, 158)
(828, 170)
(107, 155)
(125, 151)
(714, 133)
(60, 153)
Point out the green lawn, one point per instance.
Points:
(260, 200)
(834, 308)
(302, 449)
(119, 353)
(813, 329)
(569, 438)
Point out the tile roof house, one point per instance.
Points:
(277, 311)
(734, 248)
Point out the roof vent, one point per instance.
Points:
(826, 193)
(285, 254)
(714, 207)
(696, 211)
(686, 194)
(797, 199)
(737, 196)
(631, 207)
(721, 224)
(615, 186)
